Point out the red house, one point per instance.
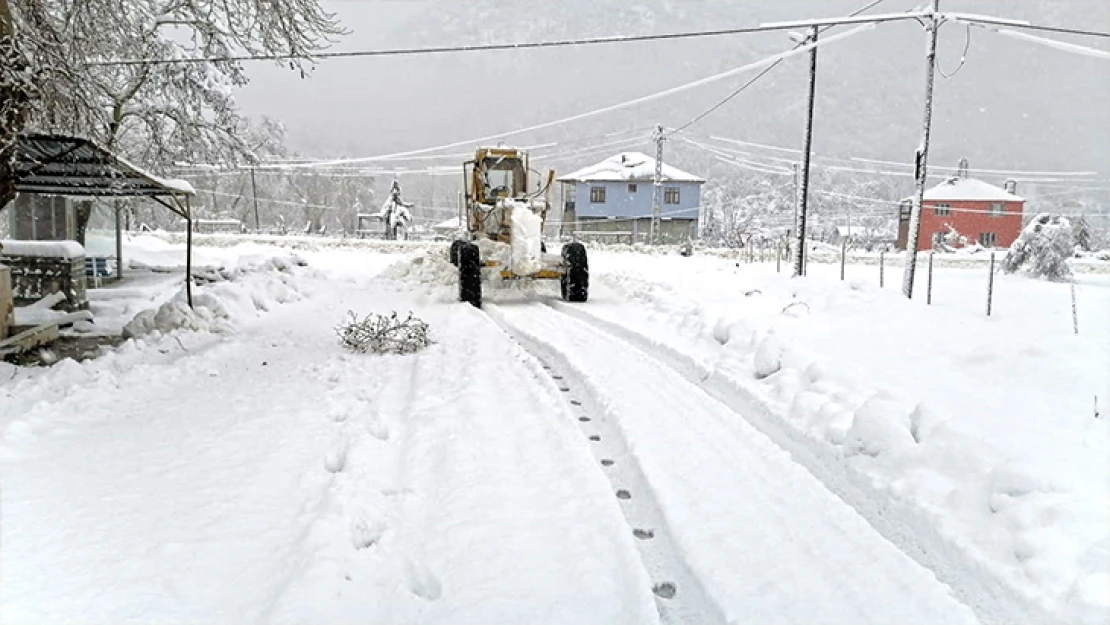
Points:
(979, 212)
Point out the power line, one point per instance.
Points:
(607, 109)
(751, 81)
(997, 21)
(499, 46)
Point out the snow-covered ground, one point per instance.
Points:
(701, 442)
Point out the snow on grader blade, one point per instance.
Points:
(504, 224)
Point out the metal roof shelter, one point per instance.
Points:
(75, 166)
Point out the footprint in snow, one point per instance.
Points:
(666, 590)
(423, 582)
(365, 534)
(378, 430)
(643, 534)
(336, 459)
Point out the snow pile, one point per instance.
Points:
(431, 269)
(42, 312)
(526, 256)
(254, 284)
(984, 439)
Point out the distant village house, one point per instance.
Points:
(615, 198)
(977, 211)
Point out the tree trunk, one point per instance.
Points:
(15, 101)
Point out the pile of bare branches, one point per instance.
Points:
(382, 334)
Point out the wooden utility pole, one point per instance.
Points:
(657, 186)
(921, 157)
(803, 191)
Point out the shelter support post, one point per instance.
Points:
(188, 252)
(119, 242)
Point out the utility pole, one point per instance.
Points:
(657, 187)
(254, 196)
(799, 252)
(932, 24)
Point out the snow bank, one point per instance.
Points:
(42, 249)
(982, 428)
(254, 284)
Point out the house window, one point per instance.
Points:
(597, 195)
(997, 209)
(938, 237)
(670, 195)
(632, 188)
(942, 210)
(988, 239)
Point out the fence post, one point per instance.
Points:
(778, 257)
(1074, 310)
(990, 286)
(881, 267)
(929, 289)
(843, 252)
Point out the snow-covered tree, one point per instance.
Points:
(1043, 248)
(17, 92)
(1081, 232)
(156, 109)
(395, 213)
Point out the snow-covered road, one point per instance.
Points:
(270, 477)
(530, 466)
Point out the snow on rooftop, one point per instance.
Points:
(174, 184)
(970, 189)
(628, 166)
(42, 249)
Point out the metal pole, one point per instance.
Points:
(254, 196)
(932, 23)
(929, 287)
(119, 243)
(843, 253)
(188, 252)
(1074, 309)
(882, 268)
(778, 257)
(657, 188)
(990, 287)
(799, 253)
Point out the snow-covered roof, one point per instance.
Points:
(628, 166)
(42, 249)
(971, 190)
(76, 166)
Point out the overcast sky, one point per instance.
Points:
(1012, 104)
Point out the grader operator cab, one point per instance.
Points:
(503, 229)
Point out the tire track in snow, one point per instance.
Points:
(897, 522)
(790, 551)
(678, 595)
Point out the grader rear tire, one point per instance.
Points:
(470, 275)
(575, 282)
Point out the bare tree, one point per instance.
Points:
(150, 109)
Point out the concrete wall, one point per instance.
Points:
(636, 230)
(35, 277)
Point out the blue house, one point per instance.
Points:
(615, 197)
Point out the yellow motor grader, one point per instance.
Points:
(502, 229)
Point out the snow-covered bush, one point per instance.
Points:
(383, 334)
(1043, 247)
